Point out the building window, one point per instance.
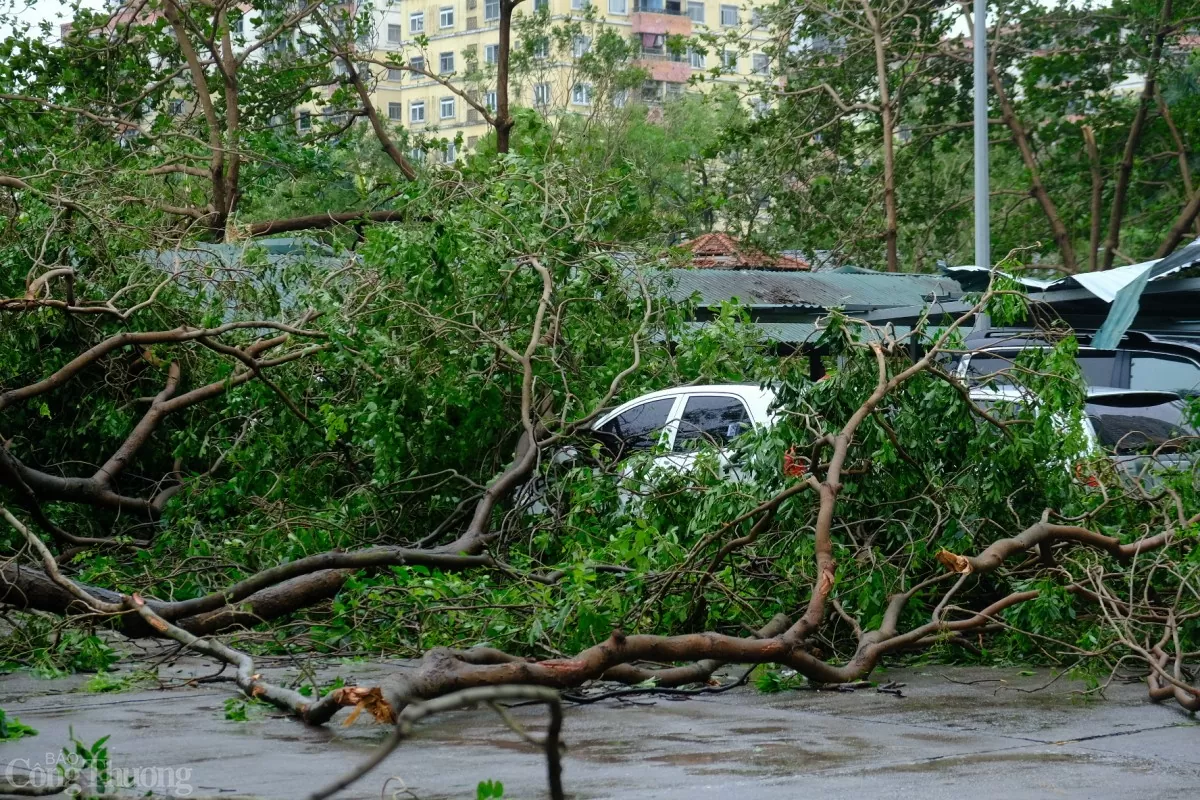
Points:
(621, 98)
(541, 94)
(417, 63)
(472, 141)
(618, 6)
(696, 12)
(541, 48)
(580, 5)
(756, 18)
(446, 63)
(491, 53)
(761, 63)
(581, 94)
(541, 5)
(305, 121)
(175, 107)
(396, 111)
(416, 111)
(446, 17)
(416, 22)
(491, 10)
(447, 108)
(238, 26)
(395, 34)
(729, 15)
(695, 59)
(450, 153)
(489, 100)
(581, 45)
(729, 60)
(395, 75)
(416, 155)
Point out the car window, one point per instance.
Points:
(710, 418)
(1097, 367)
(979, 365)
(636, 429)
(1160, 372)
(1131, 424)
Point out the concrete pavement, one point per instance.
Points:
(956, 733)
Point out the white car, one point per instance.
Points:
(678, 422)
(682, 419)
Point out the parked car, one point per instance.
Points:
(678, 421)
(1141, 362)
(1141, 432)
(681, 420)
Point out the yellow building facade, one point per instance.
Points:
(459, 41)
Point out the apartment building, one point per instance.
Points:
(458, 40)
(460, 43)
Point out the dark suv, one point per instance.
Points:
(1142, 361)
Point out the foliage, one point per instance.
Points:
(489, 789)
(388, 431)
(773, 681)
(244, 709)
(11, 728)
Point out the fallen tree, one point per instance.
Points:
(344, 447)
(694, 657)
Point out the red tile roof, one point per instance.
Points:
(722, 251)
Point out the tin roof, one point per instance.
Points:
(823, 290)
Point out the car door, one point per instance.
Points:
(639, 427)
(706, 418)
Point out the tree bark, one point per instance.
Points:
(1089, 138)
(1062, 237)
(504, 120)
(1181, 151)
(1125, 171)
(887, 122)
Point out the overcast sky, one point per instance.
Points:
(34, 12)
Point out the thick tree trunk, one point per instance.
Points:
(503, 117)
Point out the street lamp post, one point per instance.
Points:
(982, 191)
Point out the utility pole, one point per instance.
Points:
(983, 234)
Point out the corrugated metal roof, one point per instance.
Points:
(265, 264)
(810, 290)
(800, 332)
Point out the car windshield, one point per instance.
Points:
(1136, 423)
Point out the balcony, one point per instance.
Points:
(662, 65)
(673, 7)
(661, 16)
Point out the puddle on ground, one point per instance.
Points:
(976, 759)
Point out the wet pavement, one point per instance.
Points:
(956, 733)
